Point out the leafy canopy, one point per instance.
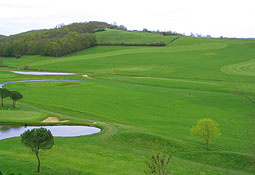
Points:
(37, 139)
(15, 95)
(206, 129)
(56, 42)
(4, 93)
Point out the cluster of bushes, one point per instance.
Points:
(14, 95)
(54, 42)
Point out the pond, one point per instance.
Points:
(21, 81)
(9, 131)
(41, 73)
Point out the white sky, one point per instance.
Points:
(229, 18)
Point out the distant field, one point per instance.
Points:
(120, 37)
(138, 95)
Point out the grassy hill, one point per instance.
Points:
(121, 37)
(64, 40)
(2, 36)
(138, 95)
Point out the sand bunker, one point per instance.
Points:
(86, 76)
(54, 120)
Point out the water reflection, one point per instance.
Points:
(6, 128)
(8, 131)
(41, 73)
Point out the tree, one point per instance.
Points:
(158, 163)
(19, 48)
(37, 139)
(52, 49)
(206, 129)
(145, 30)
(15, 95)
(3, 94)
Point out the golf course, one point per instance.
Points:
(138, 88)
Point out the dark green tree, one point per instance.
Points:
(19, 48)
(7, 50)
(37, 139)
(3, 94)
(52, 49)
(15, 95)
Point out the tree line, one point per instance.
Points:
(56, 42)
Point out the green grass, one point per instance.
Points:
(20, 116)
(120, 37)
(244, 68)
(138, 95)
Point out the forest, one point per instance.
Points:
(61, 40)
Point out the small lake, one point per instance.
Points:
(9, 131)
(41, 73)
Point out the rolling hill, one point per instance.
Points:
(64, 40)
(138, 96)
(132, 38)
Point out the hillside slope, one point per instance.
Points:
(139, 95)
(75, 37)
(132, 38)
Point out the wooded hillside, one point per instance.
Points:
(54, 42)
(63, 40)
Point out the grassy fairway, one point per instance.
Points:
(117, 37)
(138, 95)
(244, 68)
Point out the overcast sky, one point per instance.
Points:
(229, 18)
